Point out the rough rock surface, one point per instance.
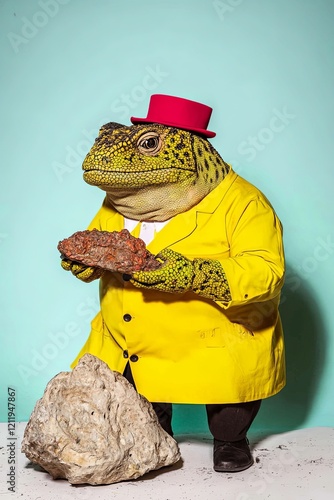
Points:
(92, 427)
(113, 251)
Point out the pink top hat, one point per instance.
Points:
(178, 112)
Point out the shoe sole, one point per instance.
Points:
(235, 469)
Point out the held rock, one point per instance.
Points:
(92, 427)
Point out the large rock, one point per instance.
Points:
(91, 426)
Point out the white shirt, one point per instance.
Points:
(147, 229)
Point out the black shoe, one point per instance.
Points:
(231, 456)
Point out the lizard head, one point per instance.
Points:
(151, 171)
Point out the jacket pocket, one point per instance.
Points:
(245, 348)
(212, 338)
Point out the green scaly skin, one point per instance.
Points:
(151, 172)
(179, 275)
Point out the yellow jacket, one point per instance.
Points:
(187, 349)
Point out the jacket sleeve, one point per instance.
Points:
(255, 268)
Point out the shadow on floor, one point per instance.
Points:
(305, 341)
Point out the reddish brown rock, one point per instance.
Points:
(113, 251)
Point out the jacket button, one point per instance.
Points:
(134, 358)
(127, 317)
(125, 354)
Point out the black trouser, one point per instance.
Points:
(227, 422)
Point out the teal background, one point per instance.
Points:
(68, 66)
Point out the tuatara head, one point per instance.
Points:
(151, 171)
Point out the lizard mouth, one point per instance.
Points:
(114, 172)
(135, 179)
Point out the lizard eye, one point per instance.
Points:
(149, 143)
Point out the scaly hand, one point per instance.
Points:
(82, 272)
(179, 274)
(174, 276)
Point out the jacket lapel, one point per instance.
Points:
(182, 225)
(178, 228)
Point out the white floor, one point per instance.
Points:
(290, 466)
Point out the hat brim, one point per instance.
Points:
(204, 132)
